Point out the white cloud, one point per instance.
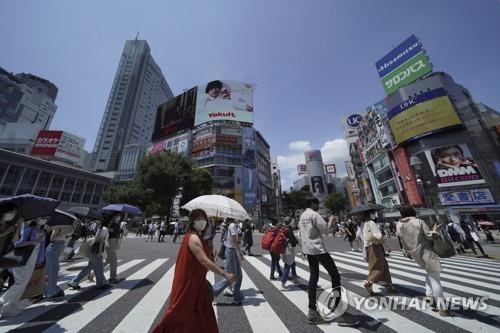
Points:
(290, 161)
(300, 145)
(336, 151)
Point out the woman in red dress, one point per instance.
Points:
(190, 309)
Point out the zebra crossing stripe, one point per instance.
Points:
(90, 310)
(463, 270)
(457, 321)
(385, 317)
(443, 275)
(492, 310)
(297, 297)
(260, 314)
(39, 308)
(144, 313)
(467, 260)
(493, 267)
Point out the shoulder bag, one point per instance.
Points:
(442, 244)
(17, 256)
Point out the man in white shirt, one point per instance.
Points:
(234, 257)
(312, 228)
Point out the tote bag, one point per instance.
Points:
(443, 245)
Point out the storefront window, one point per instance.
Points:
(89, 189)
(68, 189)
(56, 186)
(77, 195)
(11, 180)
(28, 181)
(43, 184)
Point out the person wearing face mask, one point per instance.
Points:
(8, 212)
(190, 308)
(374, 254)
(29, 235)
(113, 246)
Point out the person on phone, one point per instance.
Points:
(190, 308)
(416, 238)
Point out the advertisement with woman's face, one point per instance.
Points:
(224, 100)
(454, 166)
(317, 186)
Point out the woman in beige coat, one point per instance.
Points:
(416, 238)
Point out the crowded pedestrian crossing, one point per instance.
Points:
(138, 301)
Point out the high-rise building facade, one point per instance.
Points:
(26, 98)
(138, 88)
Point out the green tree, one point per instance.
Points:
(335, 202)
(198, 183)
(124, 193)
(294, 200)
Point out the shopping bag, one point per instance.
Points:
(442, 245)
(36, 284)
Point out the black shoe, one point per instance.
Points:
(272, 278)
(74, 286)
(114, 281)
(60, 294)
(314, 318)
(346, 320)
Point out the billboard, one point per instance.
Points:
(350, 123)
(422, 115)
(177, 144)
(224, 100)
(476, 196)
(46, 143)
(454, 166)
(350, 170)
(302, 169)
(399, 55)
(318, 187)
(175, 115)
(313, 155)
(408, 72)
(249, 168)
(330, 168)
(59, 144)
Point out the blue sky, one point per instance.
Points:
(312, 61)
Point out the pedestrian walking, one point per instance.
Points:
(247, 238)
(350, 233)
(176, 231)
(138, 233)
(275, 257)
(312, 227)
(374, 254)
(95, 264)
(289, 255)
(190, 308)
(113, 246)
(151, 231)
(456, 236)
(29, 235)
(163, 231)
(58, 236)
(123, 229)
(234, 257)
(417, 243)
(472, 237)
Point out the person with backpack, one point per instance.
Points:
(266, 244)
(312, 228)
(455, 235)
(288, 255)
(472, 237)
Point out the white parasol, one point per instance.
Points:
(218, 206)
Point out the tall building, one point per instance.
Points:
(277, 192)
(26, 99)
(138, 88)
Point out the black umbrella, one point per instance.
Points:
(32, 206)
(364, 208)
(62, 218)
(86, 212)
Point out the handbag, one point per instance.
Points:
(17, 256)
(36, 284)
(442, 245)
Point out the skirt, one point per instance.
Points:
(378, 268)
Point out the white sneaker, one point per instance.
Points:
(228, 293)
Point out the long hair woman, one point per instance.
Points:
(190, 308)
(373, 250)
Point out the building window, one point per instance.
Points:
(89, 189)
(11, 180)
(56, 186)
(68, 189)
(3, 170)
(43, 184)
(28, 181)
(99, 189)
(77, 195)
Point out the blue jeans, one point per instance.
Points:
(52, 264)
(275, 263)
(233, 265)
(286, 272)
(95, 264)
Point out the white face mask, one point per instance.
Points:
(199, 225)
(8, 216)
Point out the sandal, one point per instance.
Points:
(368, 286)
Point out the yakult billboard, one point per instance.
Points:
(224, 100)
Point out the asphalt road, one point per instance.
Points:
(136, 303)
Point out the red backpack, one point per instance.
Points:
(267, 239)
(279, 242)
